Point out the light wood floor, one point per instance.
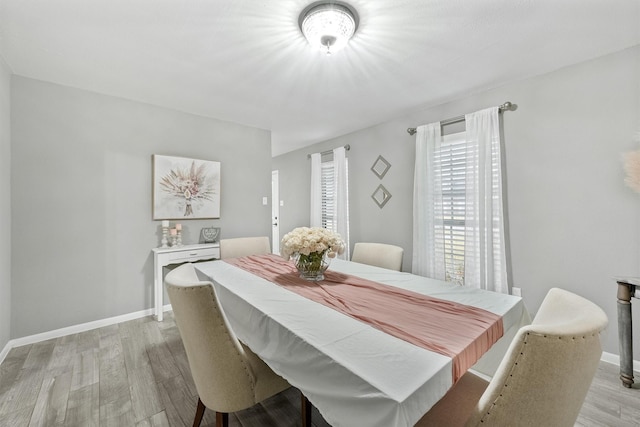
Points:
(136, 374)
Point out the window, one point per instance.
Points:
(458, 212)
(329, 196)
(450, 227)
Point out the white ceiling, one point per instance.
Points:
(246, 61)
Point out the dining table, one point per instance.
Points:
(355, 369)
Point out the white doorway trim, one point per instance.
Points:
(275, 212)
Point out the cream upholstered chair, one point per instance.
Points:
(244, 246)
(229, 377)
(544, 377)
(378, 254)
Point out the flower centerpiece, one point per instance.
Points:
(311, 250)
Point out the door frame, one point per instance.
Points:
(275, 211)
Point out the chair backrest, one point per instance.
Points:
(547, 371)
(378, 254)
(219, 364)
(244, 246)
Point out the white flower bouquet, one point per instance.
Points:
(309, 248)
(305, 241)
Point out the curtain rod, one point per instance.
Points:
(507, 106)
(346, 147)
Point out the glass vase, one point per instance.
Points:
(312, 267)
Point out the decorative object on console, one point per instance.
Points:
(209, 234)
(381, 196)
(185, 188)
(328, 25)
(380, 167)
(311, 250)
(165, 230)
(171, 237)
(178, 235)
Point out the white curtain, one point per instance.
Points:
(316, 191)
(485, 254)
(341, 194)
(428, 256)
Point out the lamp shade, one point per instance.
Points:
(328, 26)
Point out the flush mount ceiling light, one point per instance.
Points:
(328, 26)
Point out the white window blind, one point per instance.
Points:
(328, 190)
(452, 161)
(327, 186)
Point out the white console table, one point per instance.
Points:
(176, 255)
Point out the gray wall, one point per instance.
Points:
(573, 222)
(5, 205)
(81, 198)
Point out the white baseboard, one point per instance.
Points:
(5, 351)
(32, 339)
(611, 358)
(614, 359)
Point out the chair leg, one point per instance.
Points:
(305, 409)
(222, 419)
(199, 413)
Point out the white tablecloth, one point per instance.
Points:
(353, 373)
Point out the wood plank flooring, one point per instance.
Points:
(136, 374)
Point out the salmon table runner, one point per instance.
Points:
(459, 331)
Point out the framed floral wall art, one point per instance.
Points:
(185, 188)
